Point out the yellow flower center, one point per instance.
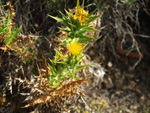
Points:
(74, 48)
(103, 103)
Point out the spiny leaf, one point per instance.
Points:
(84, 38)
(78, 68)
(67, 12)
(83, 4)
(67, 30)
(65, 18)
(78, 3)
(84, 29)
(57, 18)
(65, 22)
(92, 18)
(91, 13)
(13, 34)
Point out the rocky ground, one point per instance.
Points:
(124, 89)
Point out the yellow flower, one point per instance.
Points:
(80, 14)
(103, 103)
(80, 11)
(74, 48)
(74, 17)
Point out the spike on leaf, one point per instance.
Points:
(78, 4)
(83, 4)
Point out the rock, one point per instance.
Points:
(110, 64)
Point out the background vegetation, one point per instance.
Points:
(121, 47)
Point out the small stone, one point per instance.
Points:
(110, 64)
(142, 97)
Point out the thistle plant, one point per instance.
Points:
(11, 39)
(77, 23)
(66, 66)
(8, 34)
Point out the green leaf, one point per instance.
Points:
(30, 58)
(13, 34)
(78, 68)
(84, 29)
(72, 25)
(48, 79)
(51, 70)
(54, 66)
(57, 52)
(24, 49)
(57, 18)
(83, 4)
(64, 22)
(84, 38)
(78, 23)
(89, 15)
(65, 18)
(67, 12)
(78, 4)
(90, 19)
(67, 30)
(66, 41)
(4, 26)
(7, 19)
